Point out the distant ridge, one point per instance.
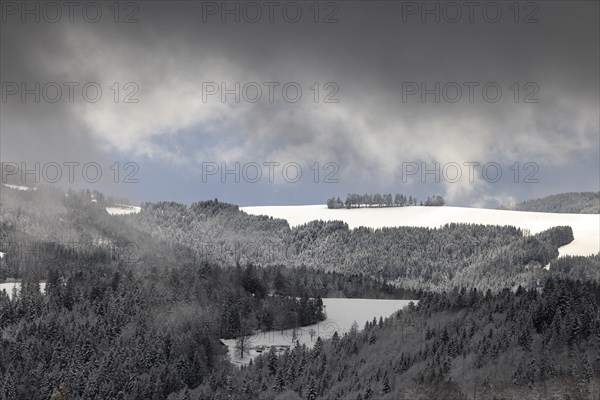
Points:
(572, 203)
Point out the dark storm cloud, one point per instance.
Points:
(370, 54)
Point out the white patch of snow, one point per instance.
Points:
(2, 255)
(8, 286)
(341, 314)
(122, 209)
(17, 187)
(102, 241)
(586, 227)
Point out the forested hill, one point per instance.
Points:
(573, 203)
(487, 257)
(482, 256)
(138, 322)
(464, 344)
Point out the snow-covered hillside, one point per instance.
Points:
(586, 227)
(341, 314)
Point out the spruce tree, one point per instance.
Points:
(311, 391)
(386, 384)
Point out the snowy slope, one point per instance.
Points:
(586, 227)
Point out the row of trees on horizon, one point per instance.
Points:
(354, 200)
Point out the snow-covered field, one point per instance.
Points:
(586, 227)
(122, 209)
(341, 314)
(8, 286)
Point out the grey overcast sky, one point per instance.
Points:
(388, 89)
